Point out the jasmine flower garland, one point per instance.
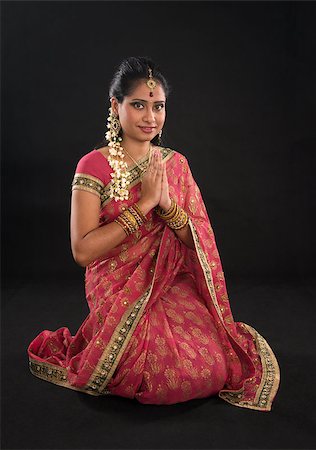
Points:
(120, 176)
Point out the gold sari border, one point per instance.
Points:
(269, 382)
(271, 372)
(116, 346)
(206, 268)
(119, 340)
(56, 375)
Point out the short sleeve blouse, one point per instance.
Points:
(92, 173)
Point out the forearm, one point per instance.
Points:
(185, 235)
(101, 240)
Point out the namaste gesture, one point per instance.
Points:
(155, 186)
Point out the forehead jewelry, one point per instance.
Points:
(151, 83)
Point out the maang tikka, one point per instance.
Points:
(151, 83)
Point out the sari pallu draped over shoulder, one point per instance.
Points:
(123, 287)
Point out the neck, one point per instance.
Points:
(137, 149)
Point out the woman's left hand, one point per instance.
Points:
(165, 201)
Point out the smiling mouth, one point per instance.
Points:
(147, 129)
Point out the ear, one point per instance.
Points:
(114, 105)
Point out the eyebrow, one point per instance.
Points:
(141, 100)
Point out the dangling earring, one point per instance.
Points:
(120, 175)
(114, 126)
(159, 137)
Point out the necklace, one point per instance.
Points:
(142, 170)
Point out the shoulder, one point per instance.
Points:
(94, 164)
(177, 156)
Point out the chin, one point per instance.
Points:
(146, 138)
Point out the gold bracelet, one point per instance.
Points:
(138, 219)
(122, 218)
(125, 228)
(175, 217)
(170, 213)
(139, 216)
(140, 212)
(127, 224)
(131, 218)
(180, 223)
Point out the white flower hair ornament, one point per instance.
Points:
(120, 176)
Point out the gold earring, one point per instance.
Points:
(159, 137)
(114, 127)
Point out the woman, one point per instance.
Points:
(160, 328)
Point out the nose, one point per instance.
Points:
(149, 115)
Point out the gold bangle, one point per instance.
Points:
(131, 218)
(171, 212)
(136, 215)
(124, 222)
(122, 226)
(178, 227)
(166, 215)
(176, 215)
(180, 222)
(128, 224)
(140, 212)
(161, 212)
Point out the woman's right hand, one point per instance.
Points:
(152, 181)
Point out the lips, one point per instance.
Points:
(147, 129)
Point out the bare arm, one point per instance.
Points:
(88, 240)
(185, 236)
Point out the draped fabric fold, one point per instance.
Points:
(160, 328)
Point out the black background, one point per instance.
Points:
(242, 111)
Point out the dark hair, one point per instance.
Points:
(127, 76)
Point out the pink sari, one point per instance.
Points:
(160, 328)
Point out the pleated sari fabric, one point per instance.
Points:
(160, 328)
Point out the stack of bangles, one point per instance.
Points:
(176, 218)
(131, 219)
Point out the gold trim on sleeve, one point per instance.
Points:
(85, 182)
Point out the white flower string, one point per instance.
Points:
(120, 176)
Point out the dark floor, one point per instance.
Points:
(40, 415)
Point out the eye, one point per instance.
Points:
(160, 106)
(138, 105)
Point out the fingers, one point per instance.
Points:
(164, 178)
(155, 165)
(159, 172)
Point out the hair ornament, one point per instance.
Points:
(151, 83)
(120, 175)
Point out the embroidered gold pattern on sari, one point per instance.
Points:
(160, 328)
